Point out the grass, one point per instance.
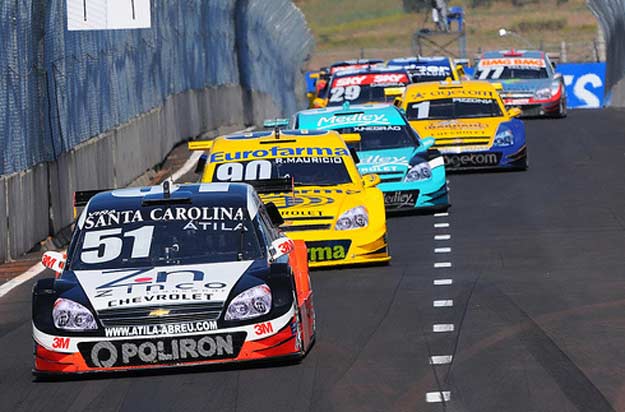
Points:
(380, 28)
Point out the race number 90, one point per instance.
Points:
(236, 172)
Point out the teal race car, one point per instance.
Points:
(412, 174)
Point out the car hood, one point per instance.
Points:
(465, 133)
(161, 285)
(521, 85)
(313, 204)
(388, 161)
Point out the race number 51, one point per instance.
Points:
(108, 14)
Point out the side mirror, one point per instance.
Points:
(274, 214)
(318, 103)
(557, 76)
(427, 142)
(54, 261)
(370, 180)
(280, 247)
(461, 74)
(514, 112)
(201, 164)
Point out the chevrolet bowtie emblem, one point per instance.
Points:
(159, 312)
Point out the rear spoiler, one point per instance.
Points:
(282, 184)
(81, 198)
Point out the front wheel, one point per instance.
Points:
(562, 111)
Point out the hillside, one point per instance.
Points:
(349, 28)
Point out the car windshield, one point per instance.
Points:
(429, 73)
(382, 137)
(511, 72)
(179, 234)
(365, 88)
(305, 171)
(457, 107)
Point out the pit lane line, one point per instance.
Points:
(38, 268)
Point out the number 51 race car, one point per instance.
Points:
(173, 276)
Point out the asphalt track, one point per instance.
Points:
(538, 306)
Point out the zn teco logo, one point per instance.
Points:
(154, 282)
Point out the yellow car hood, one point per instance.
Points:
(458, 133)
(314, 205)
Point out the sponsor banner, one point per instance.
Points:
(108, 14)
(585, 84)
(277, 151)
(401, 199)
(120, 353)
(512, 62)
(325, 251)
(161, 330)
(371, 79)
(472, 160)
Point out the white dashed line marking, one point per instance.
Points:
(442, 265)
(434, 397)
(442, 327)
(441, 225)
(440, 359)
(443, 282)
(444, 214)
(443, 303)
(442, 237)
(442, 250)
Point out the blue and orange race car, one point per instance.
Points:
(413, 175)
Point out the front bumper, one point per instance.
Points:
(513, 158)
(347, 247)
(536, 109)
(59, 355)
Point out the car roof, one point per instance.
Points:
(201, 194)
(534, 54)
(370, 70)
(326, 118)
(432, 60)
(417, 89)
(265, 140)
(356, 61)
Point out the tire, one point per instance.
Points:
(562, 111)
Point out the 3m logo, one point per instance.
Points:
(263, 328)
(60, 343)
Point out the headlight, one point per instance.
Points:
(555, 88)
(69, 315)
(543, 93)
(504, 138)
(419, 172)
(355, 218)
(250, 304)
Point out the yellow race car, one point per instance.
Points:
(469, 122)
(312, 179)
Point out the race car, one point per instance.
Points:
(312, 179)
(172, 276)
(428, 69)
(370, 85)
(323, 77)
(471, 126)
(529, 81)
(412, 177)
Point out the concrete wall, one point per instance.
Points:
(611, 17)
(39, 201)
